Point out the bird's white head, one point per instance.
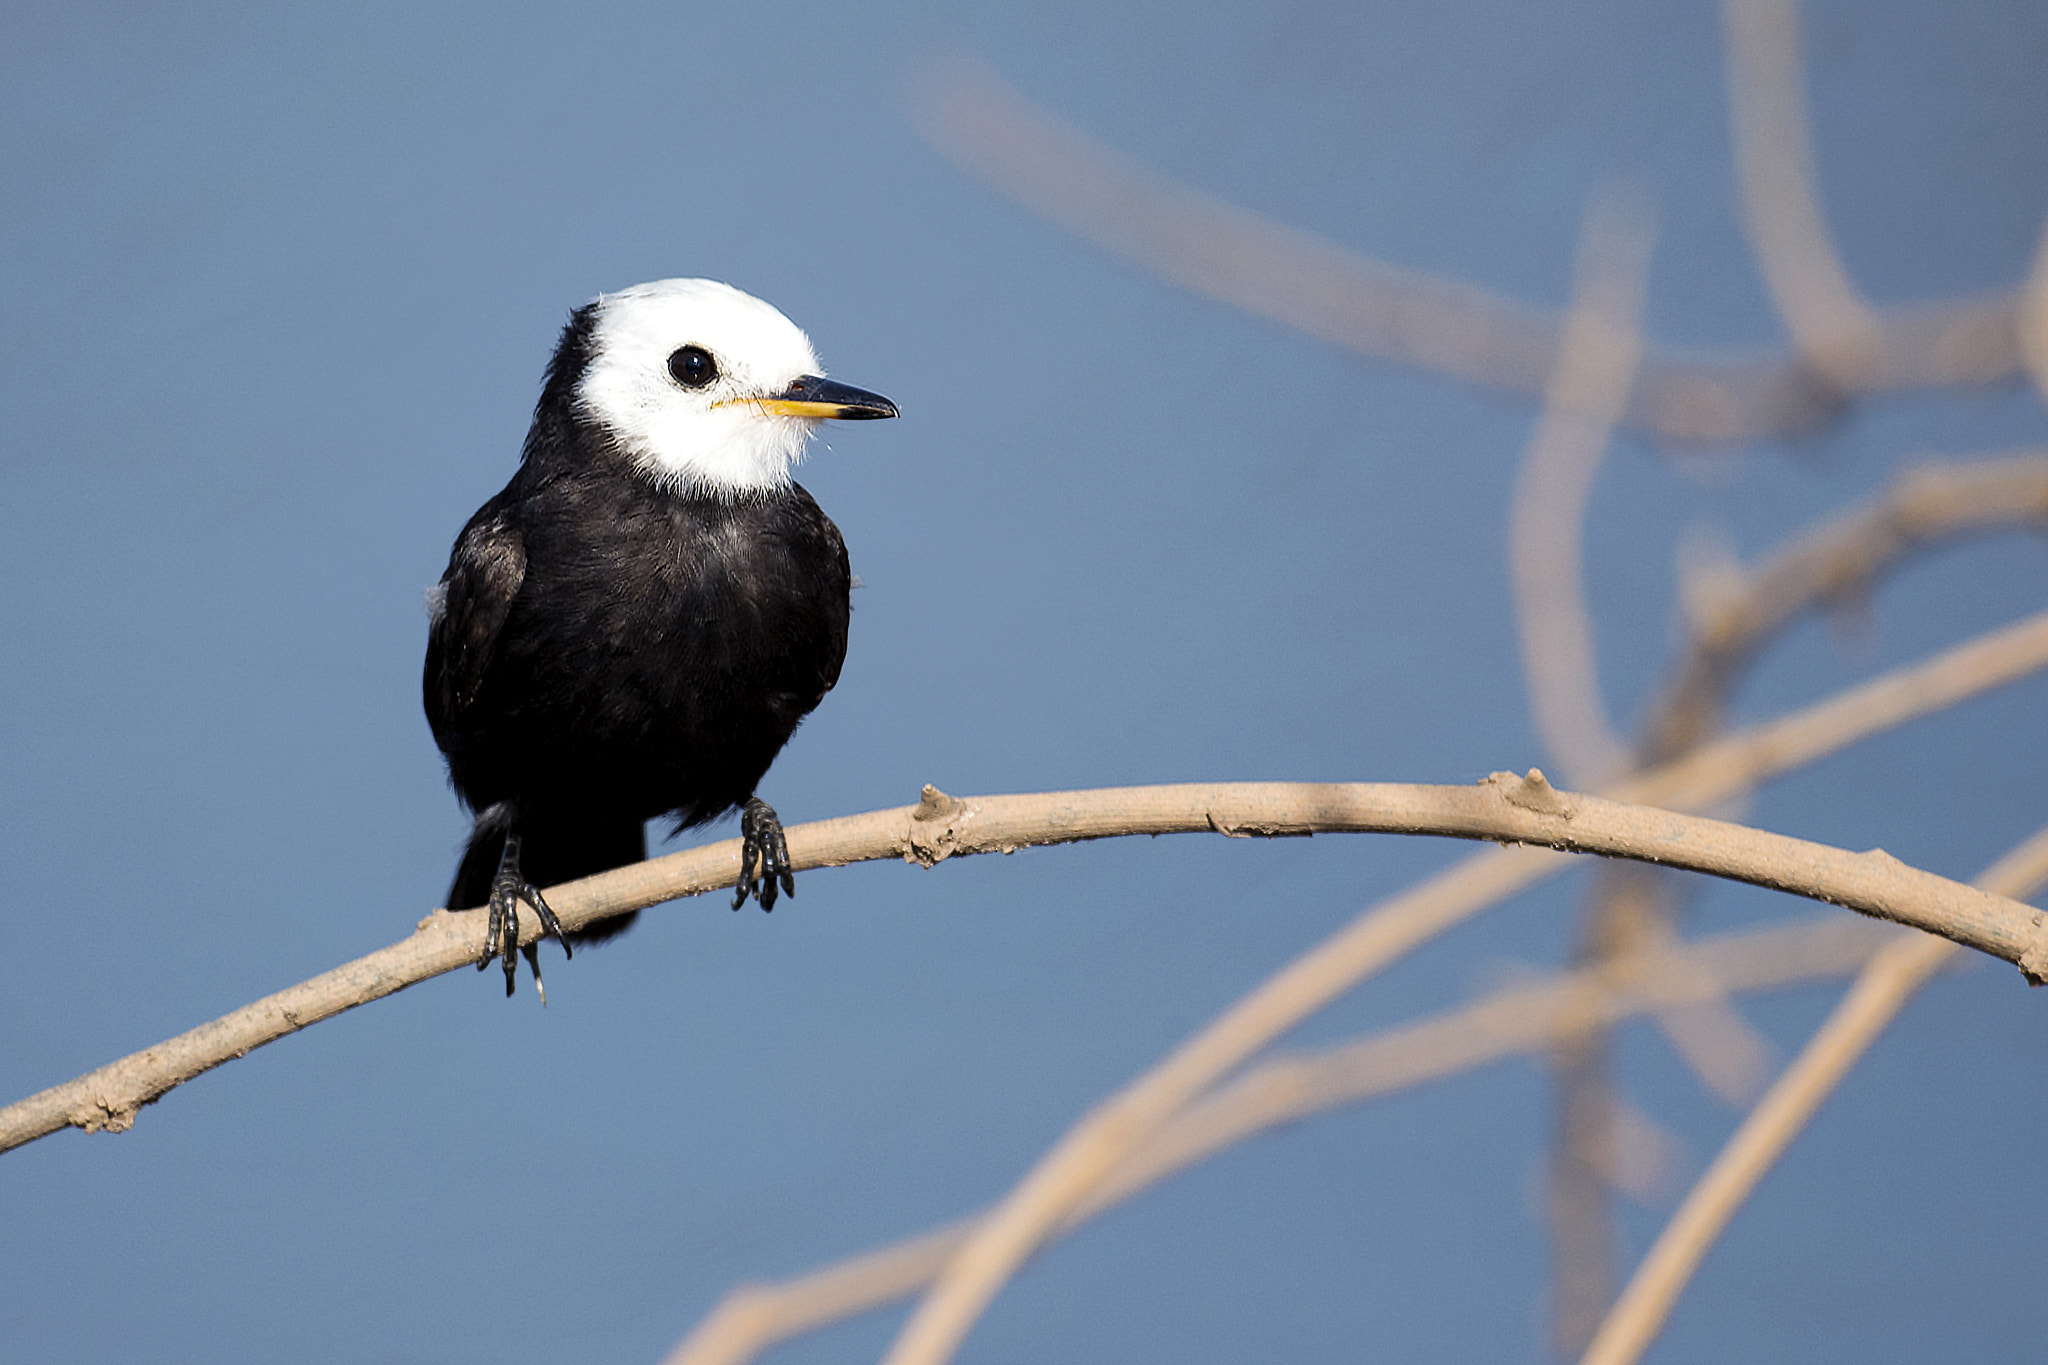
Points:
(709, 391)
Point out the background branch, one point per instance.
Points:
(1599, 354)
(1872, 882)
(1596, 364)
(2033, 319)
(1879, 993)
(1505, 1024)
(1282, 549)
(1925, 507)
(969, 113)
(109, 1097)
(1629, 908)
(1832, 328)
(752, 1317)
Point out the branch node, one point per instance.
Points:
(934, 831)
(102, 1115)
(934, 804)
(2034, 961)
(1532, 793)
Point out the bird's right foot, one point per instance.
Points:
(764, 856)
(501, 930)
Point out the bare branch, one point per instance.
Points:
(1875, 999)
(107, 1099)
(1626, 923)
(1628, 909)
(2033, 319)
(970, 114)
(1446, 899)
(1581, 1233)
(751, 1318)
(1873, 882)
(1596, 363)
(1509, 1023)
(1741, 761)
(1832, 328)
(1925, 506)
(1733, 619)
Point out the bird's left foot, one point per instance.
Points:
(764, 856)
(501, 932)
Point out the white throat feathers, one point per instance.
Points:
(691, 427)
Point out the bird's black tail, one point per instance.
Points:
(550, 851)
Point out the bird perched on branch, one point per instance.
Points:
(637, 623)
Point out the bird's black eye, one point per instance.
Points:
(693, 367)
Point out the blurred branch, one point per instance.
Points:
(1625, 920)
(1575, 1186)
(1880, 991)
(1923, 507)
(1506, 1024)
(1509, 1023)
(1525, 1019)
(1061, 1179)
(1598, 356)
(1730, 622)
(1714, 772)
(1727, 1056)
(1596, 363)
(940, 827)
(1733, 618)
(2033, 319)
(969, 113)
(1832, 328)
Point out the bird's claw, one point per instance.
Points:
(764, 857)
(501, 930)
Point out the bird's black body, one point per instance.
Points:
(605, 650)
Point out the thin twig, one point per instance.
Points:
(1734, 765)
(1106, 1136)
(939, 827)
(1926, 506)
(1628, 908)
(2033, 318)
(1513, 1022)
(1509, 1023)
(1629, 903)
(1596, 364)
(1739, 762)
(1832, 328)
(972, 115)
(1880, 991)
(1582, 1126)
(1599, 352)
(1625, 921)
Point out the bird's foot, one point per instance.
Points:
(764, 856)
(501, 930)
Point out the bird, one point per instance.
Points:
(638, 622)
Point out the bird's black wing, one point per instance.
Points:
(835, 654)
(475, 594)
(823, 550)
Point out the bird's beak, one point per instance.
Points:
(813, 396)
